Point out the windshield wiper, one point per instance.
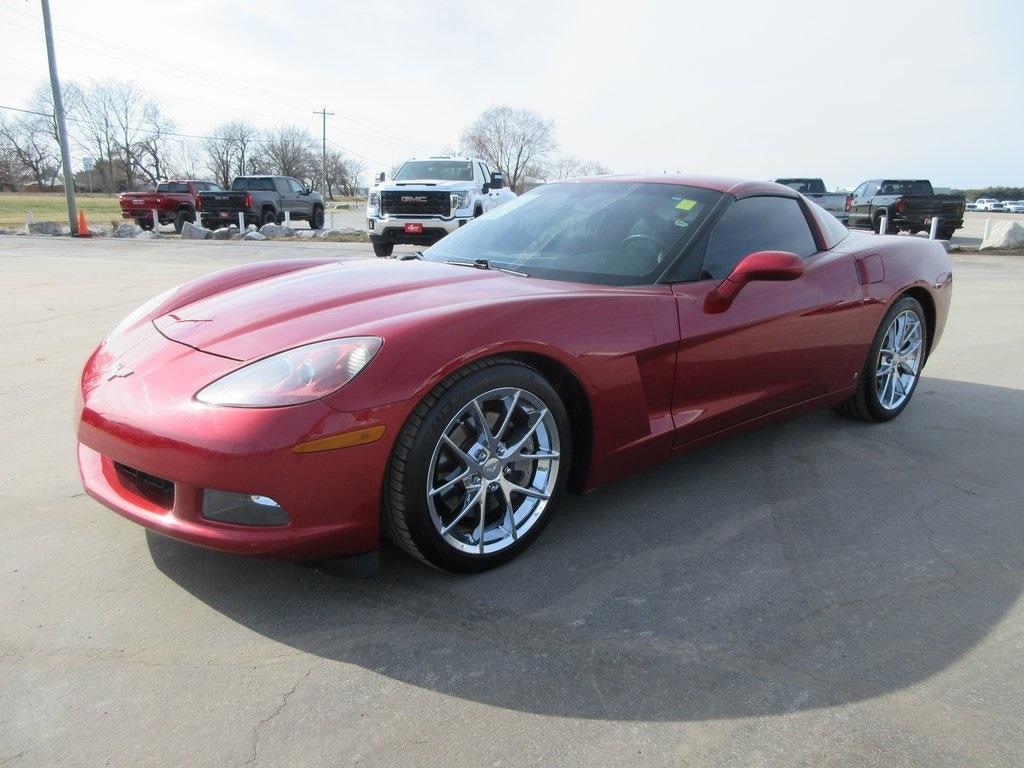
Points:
(485, 264)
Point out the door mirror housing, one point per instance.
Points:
(497, 181)
(380, 177)
(760, 265)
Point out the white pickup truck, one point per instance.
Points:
(429, 198)
(836, 203)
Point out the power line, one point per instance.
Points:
(205, 77)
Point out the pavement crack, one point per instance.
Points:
(255, 753)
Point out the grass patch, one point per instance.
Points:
(99, 209)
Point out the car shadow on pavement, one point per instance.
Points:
(807, 564)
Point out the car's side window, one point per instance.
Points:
(858, 193)
(756, 224)
(871, 190)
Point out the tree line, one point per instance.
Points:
(133, 142)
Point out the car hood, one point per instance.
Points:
(425, 184)
(335, 300)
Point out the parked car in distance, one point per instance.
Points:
(971, 206)
(301, 407)
(985, 203)
(1013, 206)
(907, 205)
(175, 202)
(262, 200)
(836, 203)
(430, 198)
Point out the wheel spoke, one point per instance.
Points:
(481, 422)
(483, 515)
(510, 516)
(508, 415)
(511, 487)
(538, 456)
(461, 454)
(465, 510)
(454, 481)
(514, 450)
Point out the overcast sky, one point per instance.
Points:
(842, 90)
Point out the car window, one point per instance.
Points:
(871, 190)
(611, 233)
(258, 184)
(295, 186)
(757, 224)
(859, 191)
(448, 170)
(172, 187)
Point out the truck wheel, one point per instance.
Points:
(316, 221)
(945, 233)
(146, 224)
(268, 217)
(181, 217)
(478, 212)
(383, 250)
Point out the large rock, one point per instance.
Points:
(225, 233)
(1005, 235)
(276, 230)
(254, 235)
(191, 231)
(46, 228)
(148, 234)
(128, 230)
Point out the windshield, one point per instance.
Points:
(252, 184)
(611, 233)
(446, 170)
(804, 186)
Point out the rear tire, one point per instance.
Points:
(890, 227)
(482, 437)
(181, 217)
(268, 217)
(383, 250)
(881, 397)
(146, 224)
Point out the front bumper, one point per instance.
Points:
(148, 421)
(391, 228)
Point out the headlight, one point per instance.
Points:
(139, 314)
(460, 200)
(299, 375)
(374, 201)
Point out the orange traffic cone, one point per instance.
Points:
(83, 225)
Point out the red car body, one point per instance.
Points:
(646, 372)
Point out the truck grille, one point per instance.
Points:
(416, 203)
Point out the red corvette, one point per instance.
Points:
(585, 331)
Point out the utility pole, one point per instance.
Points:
(324, 114)
(62, 128)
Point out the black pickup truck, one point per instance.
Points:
(262, 200)
(907, 205)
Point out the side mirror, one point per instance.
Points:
(380, 177)
(760, 265)
(497, 181)
(307, 191)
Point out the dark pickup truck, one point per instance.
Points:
(174, 202)
(907, 205)
(262, 200)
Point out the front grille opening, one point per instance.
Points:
(416, 203)
(155, 489)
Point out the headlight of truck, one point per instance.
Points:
(295, 376)
(460, 200)
(374, 201)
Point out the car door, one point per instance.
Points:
(486, 198)
(860, 216)
(777, 344)
(298, 202)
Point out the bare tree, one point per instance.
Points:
(128, 107)
(343, 174)
(28, 139)
(151, 153)
(186, 160)
(569, 167)
(220, 158)
(288, 151)
(12, 170)
(511, 140)
(244, 138)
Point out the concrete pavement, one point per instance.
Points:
(819, 592)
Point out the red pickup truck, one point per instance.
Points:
(175, 202)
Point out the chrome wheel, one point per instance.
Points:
(899, 360)
(493, 470)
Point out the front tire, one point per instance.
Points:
(181, 217)
(145, 224)
(383, 250)
(478, 468)
(316, 221)
(893, 367)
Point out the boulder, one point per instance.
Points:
(225, 233)
(128, 230)
(276, 230)
(147, 234)
(191, 231)
(254, 236)
(327, 234)
(6, 231)
(1004, 235)
(45, 228)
